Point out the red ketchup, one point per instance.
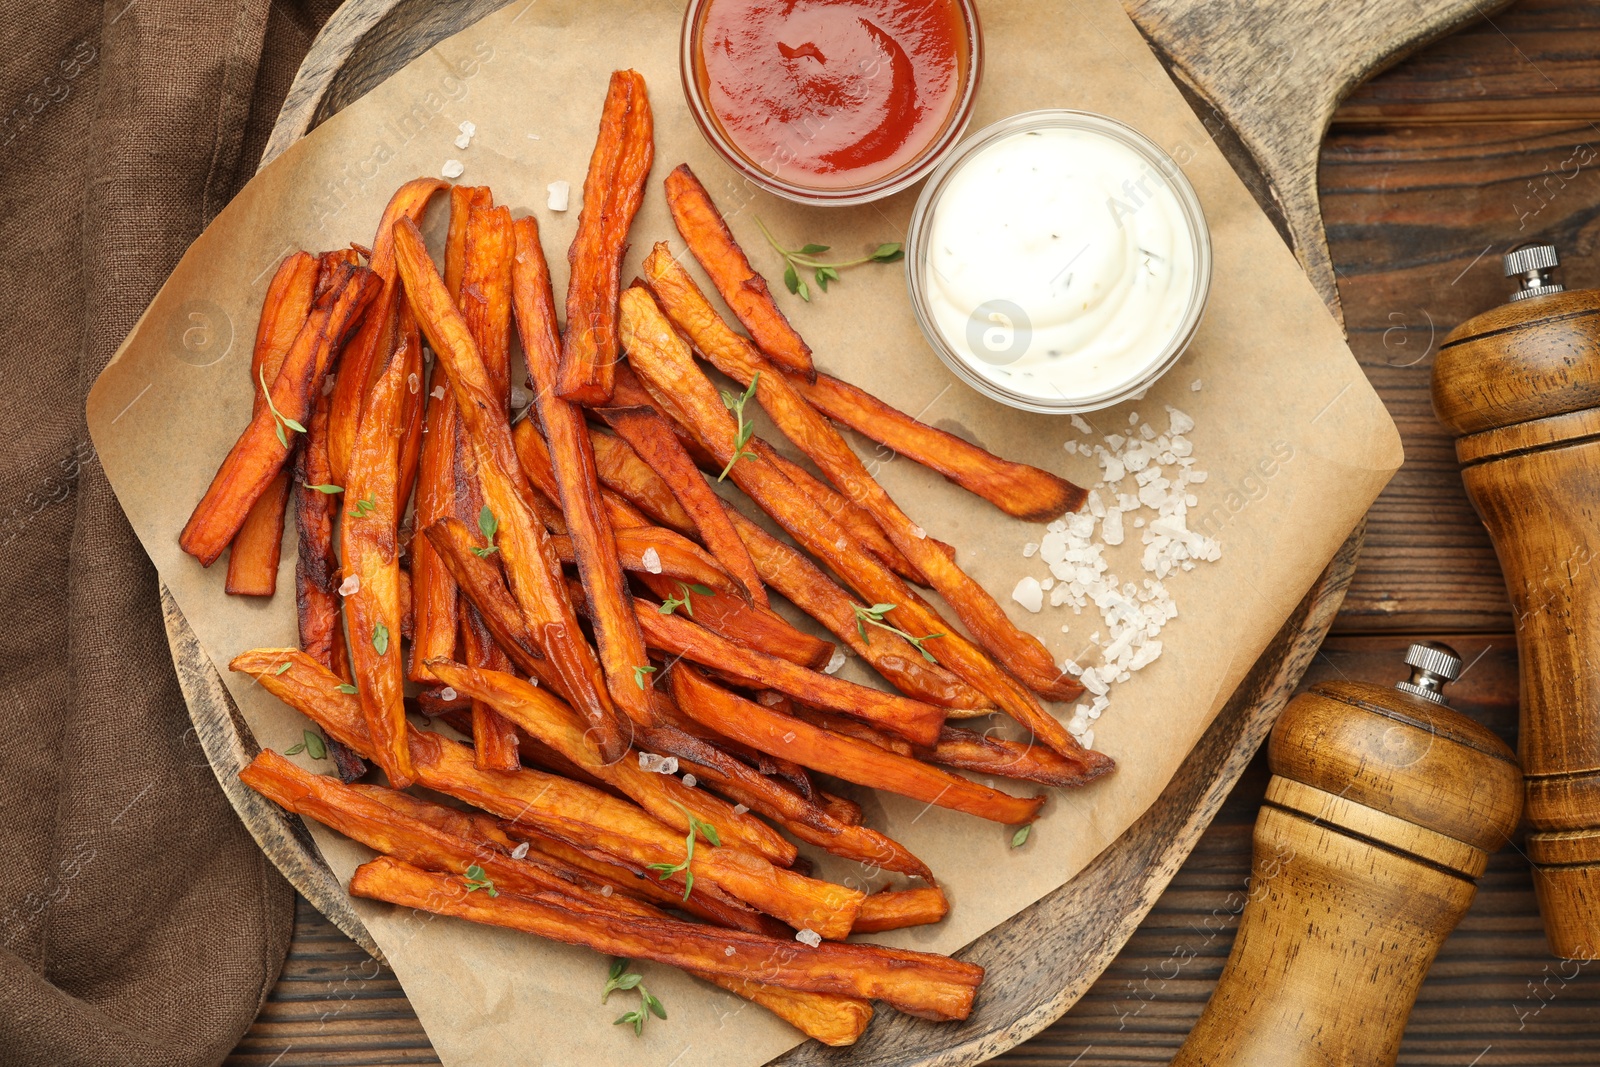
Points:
(832, 94)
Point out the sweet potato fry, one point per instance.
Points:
(432, 837)
(616, 633)
(899, 908)
(810, 822)
(577, 814)
(531, 569)
(1015, 488)
(369, 539)
(662, 795)
(432, 589)
(408, 344)
(260, 453)
(817, 438)
(679, 637)
(668, 369)
(316, 566)
(494, 738)
(744, 624)
(369, 348)
(253, 559)
(917, 983)
(744, 291)
(615, 461)
(654, 442)
(843, 757)
(612, 190)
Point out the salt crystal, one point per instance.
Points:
(769, 698)
(809, 936)
(520, 851)
(739, 809)
(835, 661)
(1046, 584)
(1195, 385)
(452, 168)
(1087, 739)
(606, 891)
(447, 694)
(520, 397)
(690, 780)
(1071, 447)
(649, 761)
(1029, 549)
(413, 383)
(1145, 656)
(1080, 425)
(651, 560)
(728, 951)
(350, 586)
(919, 533)
(1029, 594)
(788, 738)
(467, 130)
(559, 192)
(1133, 418)
(327, 384)
(1181, 423)
(1111, 529)
(438, 392)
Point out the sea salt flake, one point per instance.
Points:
(1071, 447)
(559, 194)
(690, 780)
(520, 397)
(770, 699)
(835, 661)
(350, 586)
(1029, 594)
(1029, 549)
(1080, 425)
(739, 809)
(1181, 423)
(1195, 385)
(447, 694)
(809, 936)
(438, 392)
(453, 168)
(649, 761)
(520, 851)
(728, 951)
(467, 130)
(606, 891)
(788, 738)
(651, 560)
(919, 533)
(413, 383)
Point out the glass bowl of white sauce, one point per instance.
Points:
(1059, 261)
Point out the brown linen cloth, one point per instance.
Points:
(139, 923)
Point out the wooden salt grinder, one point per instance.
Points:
(1382, 810)
(1520, 386)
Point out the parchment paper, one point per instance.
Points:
(1276, 375)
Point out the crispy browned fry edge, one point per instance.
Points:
(677, 636)
(1015, 488)
(668, 368)
(918, 983)
(570, 811)
(846, 811)
(843, 757)
(532, 571)
(258, 456)
(433, 590)
(482, 584)
(744, 291)
(367, 349)
(810, 822)
(253, 559)
(616, 632)
(553, 722)
(408, 344)
(612, 191)
(316, 571)
(654, 442)
(814, 435)
(792, 574)
(494, 738)
(612, 456)
(433, 837)
(370, 548)
(744, 624)
(899, 908)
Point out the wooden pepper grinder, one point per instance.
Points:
(1520, 386)
(1382, 810)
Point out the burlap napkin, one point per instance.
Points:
(139, 924)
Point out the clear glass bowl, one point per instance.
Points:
(963, 362)
(767, 178)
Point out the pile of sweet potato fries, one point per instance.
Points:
(569, 591)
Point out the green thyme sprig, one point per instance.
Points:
(639, 674)
(741, 438)
(312, 745)
(278, 419)
(363, 507)
(476, 879)
(672, 604)
(488, 525)
(667, 870)
(796, 260)
(1020, 838)
(621, 979)
(874, 616)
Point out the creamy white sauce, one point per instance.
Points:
(1060, 264)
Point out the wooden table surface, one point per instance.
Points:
(1431, 171)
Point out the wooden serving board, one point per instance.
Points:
(1265, 82)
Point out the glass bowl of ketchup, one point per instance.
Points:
(832, 101)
